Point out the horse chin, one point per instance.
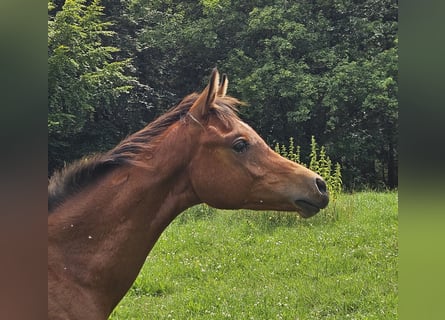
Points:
(306, 209)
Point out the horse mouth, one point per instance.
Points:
(306, 209)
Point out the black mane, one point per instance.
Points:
(75, 177)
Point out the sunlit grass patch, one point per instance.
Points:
(215, 264)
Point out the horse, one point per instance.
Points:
(106, 212)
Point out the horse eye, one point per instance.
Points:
(240, 145)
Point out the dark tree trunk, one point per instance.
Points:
(392, 167)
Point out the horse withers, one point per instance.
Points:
(106, 212)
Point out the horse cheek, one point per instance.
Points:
(222, 186)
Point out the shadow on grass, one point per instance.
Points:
(263, 220)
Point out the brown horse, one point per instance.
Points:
(106, 212)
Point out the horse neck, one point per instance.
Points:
(102, 237)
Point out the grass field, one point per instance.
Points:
(214, 264)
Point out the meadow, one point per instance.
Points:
(218, 264)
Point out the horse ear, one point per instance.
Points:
(201, 106)
(223, 87)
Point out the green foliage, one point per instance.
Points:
(306, 68)
(290, 151)
(329, 70)
(314, 163)
(335, 181)
(80, 69)
(319, 162)
(85, 81)
(294, 151)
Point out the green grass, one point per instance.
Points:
(214, 264)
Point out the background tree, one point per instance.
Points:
(86, 84)
(309, 68)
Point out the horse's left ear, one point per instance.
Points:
(207, 97)
(223, 87)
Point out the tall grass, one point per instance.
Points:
(215, 264)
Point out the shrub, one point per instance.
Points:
(319, 162)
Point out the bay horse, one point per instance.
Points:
(105, 213)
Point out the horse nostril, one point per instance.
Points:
(321, 185)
